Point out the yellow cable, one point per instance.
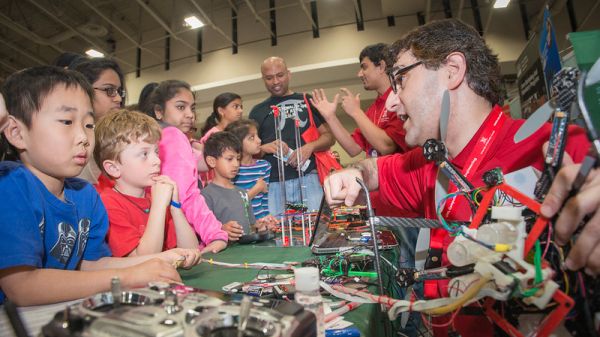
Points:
(460, 301)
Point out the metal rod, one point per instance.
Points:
(300, 173)
(280, 169)
(374, 238)
(290, 226)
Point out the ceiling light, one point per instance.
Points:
(93, 53)
(501, 3)
(193, 22)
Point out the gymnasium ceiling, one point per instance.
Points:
(35, 32)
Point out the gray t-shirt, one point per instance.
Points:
(229, 204)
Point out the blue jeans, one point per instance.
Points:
(312, 191)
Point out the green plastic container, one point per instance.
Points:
(586, 46)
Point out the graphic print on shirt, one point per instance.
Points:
(289, 110)
(84, 232)
(63, 247)
(384, 117)
(42, 227)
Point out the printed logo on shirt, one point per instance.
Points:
(385, 116)
(42, 226)
(290, 109)
(63, 247)
(84, 232)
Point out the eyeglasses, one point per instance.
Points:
(112, 91)
(396, 75)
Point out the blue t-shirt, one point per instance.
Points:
(37, 229)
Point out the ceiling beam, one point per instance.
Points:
(488, 21)
(308, 14)
(233, 6)
(8, 65)
(209, 22)
(360, 23)
(461, 4)
(477, 16)
(69, 27)
(589, 15)
(20, 51)
(163, 24)
(31, 36)
(119, 29)
(258, 18)
(447, 9)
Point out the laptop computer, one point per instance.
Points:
(334, 237)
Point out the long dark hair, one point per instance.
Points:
(221, 101)
(144, 103)
(165, 91)
(93, 68)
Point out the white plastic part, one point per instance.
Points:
(307, 279)
(462, 252)
(541, 301)
(507, 213)
(498, 232)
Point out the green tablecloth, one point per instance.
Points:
(205, 276)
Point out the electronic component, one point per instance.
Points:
(564, 92)
(180, 311)
(493, 177)
(256, 237)
(232, 287)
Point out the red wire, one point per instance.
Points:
(443, 325)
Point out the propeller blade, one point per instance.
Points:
(534, 122)
(444, 115)
(593, 76)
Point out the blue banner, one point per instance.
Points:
(549, 51)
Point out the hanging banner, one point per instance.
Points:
(549, 51)
(530, 78)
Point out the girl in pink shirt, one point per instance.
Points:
(175, 108)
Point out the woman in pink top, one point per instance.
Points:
(174, 107)
(227, 108)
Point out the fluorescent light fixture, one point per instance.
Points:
(501, 3)
(93, 53)
(193, 22)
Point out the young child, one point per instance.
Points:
(52, 226)
(253, 174)
(227, 108)
(227, 201)
(174, 107)
(140, 223)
